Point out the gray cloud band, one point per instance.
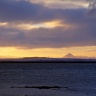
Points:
(23, 11)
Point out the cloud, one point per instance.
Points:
(62, 4)
(92, 9)
(24, 11)
(81, 33)
(20, 11)
(48, 38)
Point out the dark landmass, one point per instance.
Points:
(48, 60)
(68, 58)
(40, 87)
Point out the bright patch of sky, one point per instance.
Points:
(64, 3)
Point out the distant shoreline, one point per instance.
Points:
(51, 61)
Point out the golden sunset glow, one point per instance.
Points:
(8, 52)
(26, 26)
(3, 23)
(51, 24)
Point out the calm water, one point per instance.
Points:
(79, 78)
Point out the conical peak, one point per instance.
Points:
(69, 55)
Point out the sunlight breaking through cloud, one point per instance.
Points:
(92, 8)
(36, 24)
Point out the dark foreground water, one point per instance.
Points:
(76, 79)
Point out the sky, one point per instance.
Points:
(47, 28)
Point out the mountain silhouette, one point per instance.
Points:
(69, 55)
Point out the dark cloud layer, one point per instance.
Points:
(16, 11)
(57, 37)
(83, 34)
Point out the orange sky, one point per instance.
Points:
(11, 52)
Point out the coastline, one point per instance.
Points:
(48, 60)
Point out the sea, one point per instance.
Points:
(70, 79)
